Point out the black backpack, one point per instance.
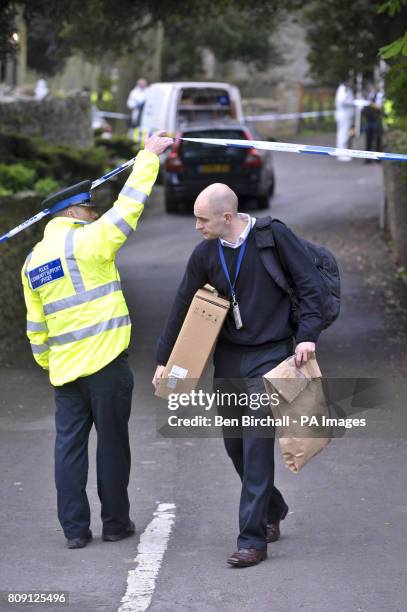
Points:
(327, 267)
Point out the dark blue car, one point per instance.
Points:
(190, 167)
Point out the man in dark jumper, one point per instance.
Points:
(239, 257)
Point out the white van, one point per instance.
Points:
(174, 106)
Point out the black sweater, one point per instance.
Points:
(265, 308)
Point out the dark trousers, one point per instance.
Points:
(239, 370)
(102, 399)
(373, 137)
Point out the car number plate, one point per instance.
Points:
(216, 168)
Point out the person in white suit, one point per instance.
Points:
(136, 100)
(344, 104)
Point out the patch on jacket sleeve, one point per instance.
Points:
(48, 272)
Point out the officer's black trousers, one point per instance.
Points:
(238, 370)
(102, 399)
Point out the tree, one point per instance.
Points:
(230, 35)
(344, 36)
(95, 27)
(396, 53)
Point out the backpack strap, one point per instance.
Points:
(269, 253)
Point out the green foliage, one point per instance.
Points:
(5, 192)
(46, 186)
(397, 47)
(16, 177)
(396, 139)
(231, 34)
(97, 27)
(396, 78)
(119, 147)
(62, 164)
(344, 36)
(396, 87)
(392, 7)
(65, 163)
(14, 147)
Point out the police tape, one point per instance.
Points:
(50, 211)
(358, 103)
(111, 115)
(53, 209)
(288, 116)
(250, 118)
(287, 147)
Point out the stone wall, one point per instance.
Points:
(57, 120)
(13, 211)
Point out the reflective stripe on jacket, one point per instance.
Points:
(77, 317)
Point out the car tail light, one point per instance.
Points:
(173, 162)
(253, 158)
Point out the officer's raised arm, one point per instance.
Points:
(103, 238)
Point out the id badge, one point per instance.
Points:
(236, 315)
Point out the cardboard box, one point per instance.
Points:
(194, 344)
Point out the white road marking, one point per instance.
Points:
(150, 553)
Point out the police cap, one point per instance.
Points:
(76, 195)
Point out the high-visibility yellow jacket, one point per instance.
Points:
(77, 317)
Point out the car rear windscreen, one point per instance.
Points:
(194, 151)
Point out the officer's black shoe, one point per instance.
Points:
(79, 542)
(115, 537)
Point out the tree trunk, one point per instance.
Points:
(395, 183)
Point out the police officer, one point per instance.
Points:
(79, 328)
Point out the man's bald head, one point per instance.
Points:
(215, 211)
(217, 199)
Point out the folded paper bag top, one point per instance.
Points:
(288, 380)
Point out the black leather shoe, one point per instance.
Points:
(245, 557)
(79, 542)
(115, 537)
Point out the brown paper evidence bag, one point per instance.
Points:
(301, 395)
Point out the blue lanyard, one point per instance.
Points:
(225, 269)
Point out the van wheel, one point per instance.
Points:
(171, 204)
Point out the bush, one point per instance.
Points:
(16, 177)
(15, 147)
(45, 186)
(119, 146)
(72, 165)
(5, 192)
(396, 87)
(59, 162)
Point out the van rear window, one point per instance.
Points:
(199, 104)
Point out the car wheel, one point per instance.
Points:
(272, 187)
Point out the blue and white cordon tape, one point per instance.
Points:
(288, 116)
(288, 147)
(61, 205)
(285, 147)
